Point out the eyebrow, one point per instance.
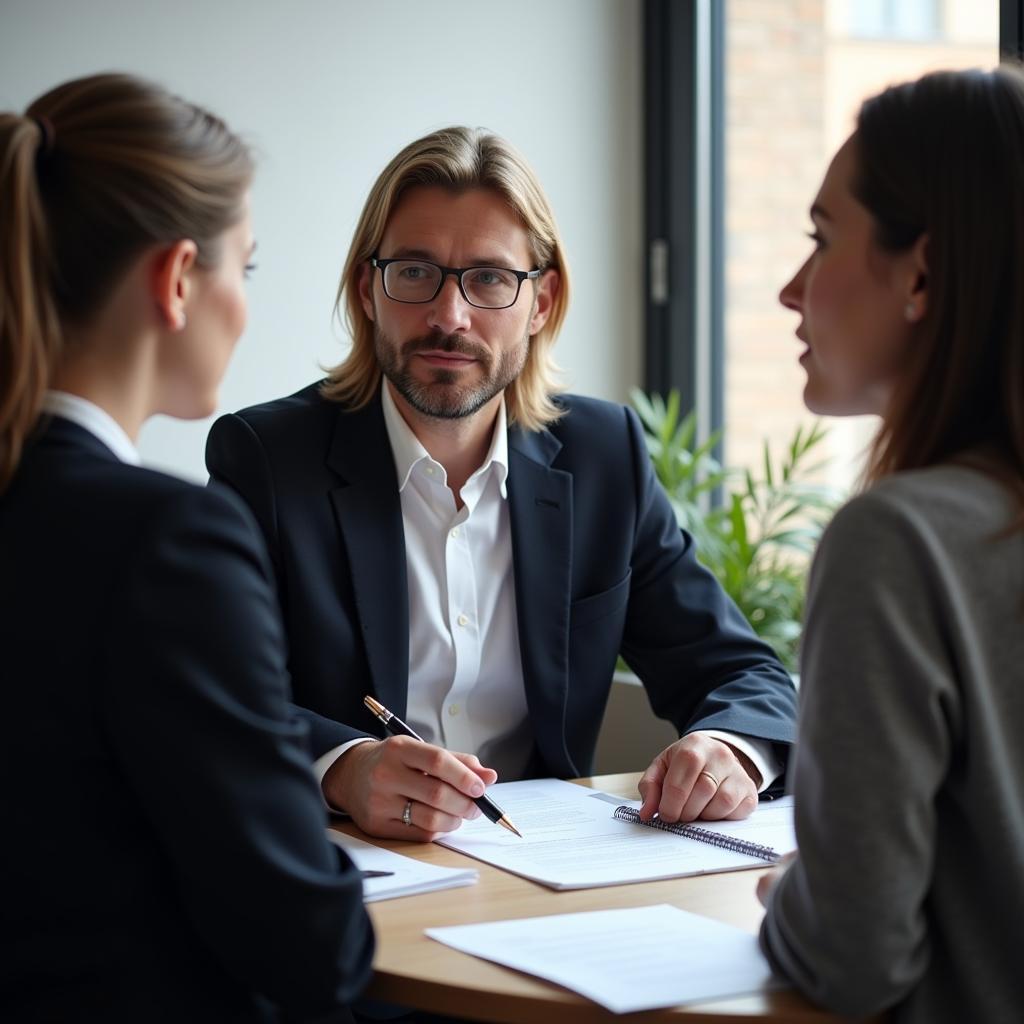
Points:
(409, 253)
(818, 211)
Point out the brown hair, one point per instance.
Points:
(457, 159)
(93, 173)
(943, 157)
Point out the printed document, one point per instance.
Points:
(406, 876)
(572, 841)
(625, 960)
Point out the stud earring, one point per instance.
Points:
(181, 322)
(910, 311)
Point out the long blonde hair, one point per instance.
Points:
(944, 157)
(95, 171)
(458, 159)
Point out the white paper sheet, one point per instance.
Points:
(635, 959)
(409, 877)
(571, 841)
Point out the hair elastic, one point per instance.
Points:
(46, 129)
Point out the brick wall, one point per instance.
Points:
(794, 79)
(774, 151)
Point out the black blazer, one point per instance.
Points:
(164, 856)
(600, 567)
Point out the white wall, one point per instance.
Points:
(329, 90)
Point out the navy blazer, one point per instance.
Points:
(600, 568)
(164, 855)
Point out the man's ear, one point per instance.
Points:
(171, 282)
(366, 291)
(547, 291)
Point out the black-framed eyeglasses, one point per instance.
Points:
(420, 281)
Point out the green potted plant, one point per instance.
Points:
(758, 539)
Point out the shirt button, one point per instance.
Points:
(463, 620)
(455, 532)
(453, 710)
(430, 470)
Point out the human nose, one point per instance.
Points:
(792, 294)
(449, 312)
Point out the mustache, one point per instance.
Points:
(437, 341)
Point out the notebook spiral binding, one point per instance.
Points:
(702, 835)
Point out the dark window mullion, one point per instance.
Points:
(669, 42)
(1011, 30)
(671, 143)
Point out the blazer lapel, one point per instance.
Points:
(369, 514)
(540, 511)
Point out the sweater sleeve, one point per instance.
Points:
(879, 709)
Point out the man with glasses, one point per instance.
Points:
(456, 538)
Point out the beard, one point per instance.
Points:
(443, 396)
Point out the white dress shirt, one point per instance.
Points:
(466, 689)
(465, 672)
(92, 418)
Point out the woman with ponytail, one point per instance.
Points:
(906, 894)
(165, 857)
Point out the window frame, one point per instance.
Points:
(1011, 30)
(684, 209)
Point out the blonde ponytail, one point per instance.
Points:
(29, 330)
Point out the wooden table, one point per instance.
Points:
(414, 971)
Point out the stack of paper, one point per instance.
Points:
(635, 959)
(407, 877)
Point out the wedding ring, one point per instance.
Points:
(407, 814)
(712, 778)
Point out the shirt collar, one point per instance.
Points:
(95, 420)
(408, 451)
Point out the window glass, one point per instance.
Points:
(894, 19)
(795, 72)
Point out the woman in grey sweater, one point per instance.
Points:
(908, 890)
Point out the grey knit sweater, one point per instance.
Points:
(908, 892)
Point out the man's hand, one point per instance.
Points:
(373, 782)
(699, 776)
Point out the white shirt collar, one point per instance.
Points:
(408, 450)
(92, 418)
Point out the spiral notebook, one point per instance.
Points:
(573, 840)
(702, 835)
